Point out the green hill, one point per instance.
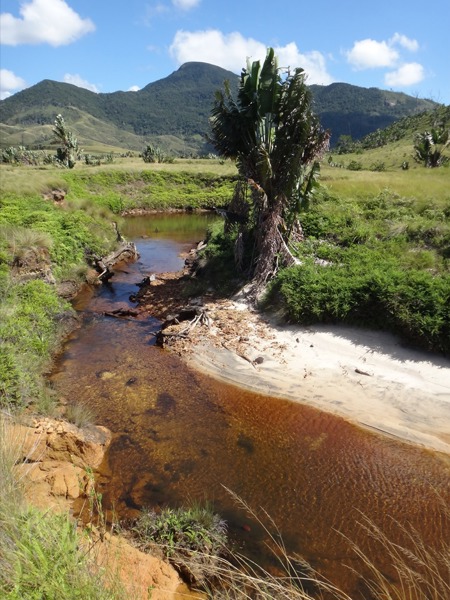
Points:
(351, 110)
(173, 112)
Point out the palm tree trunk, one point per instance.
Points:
(268, 242)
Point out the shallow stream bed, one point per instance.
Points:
(180, 436)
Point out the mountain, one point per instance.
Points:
(356, 111)
(173, 112)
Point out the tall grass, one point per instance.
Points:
(420, 184)
(417, 572)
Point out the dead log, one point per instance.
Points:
(163, 336)
(104, 265)
(362, 372)
(193, 314)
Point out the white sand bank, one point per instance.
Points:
(367, 377)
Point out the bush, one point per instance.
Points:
(354, 165)
(154, 154)
(192, 538)
(373, 292)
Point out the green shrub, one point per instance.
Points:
(194, 529)
(375, 293)
(193, 539)
(30, 331)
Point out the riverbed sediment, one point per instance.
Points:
(368, 377)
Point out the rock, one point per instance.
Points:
(68, 289)
(55, 458)
(140, 572)
(53, 484)
(57, 195)
(62, 441)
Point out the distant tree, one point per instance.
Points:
(429, 147)
(346, 144)
(275, 139)
(68, 151)
(154, 154)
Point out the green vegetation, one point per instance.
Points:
(380, 261)
(122, 190)
(275, 138)
(347, 110)
(40, 244)
(400, 134)
(182, 531)
(173, 112)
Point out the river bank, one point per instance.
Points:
(366, 376)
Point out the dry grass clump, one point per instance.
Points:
(420, 572)
(417, 571)
(79, 414)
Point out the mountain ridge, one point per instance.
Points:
(174, 111)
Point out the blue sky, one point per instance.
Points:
(107, 46)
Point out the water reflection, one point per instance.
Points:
(179, 436)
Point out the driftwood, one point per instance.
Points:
(104, 264)
(121, 312)
(193, 314)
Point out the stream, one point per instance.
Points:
(179, 436)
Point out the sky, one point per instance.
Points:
(108, 45)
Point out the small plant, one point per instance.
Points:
(378, 166)
(92, 160)
(429, 147)
(154, 154)
(354, 165)
(79, 414)
(194, 529)
(192, 538)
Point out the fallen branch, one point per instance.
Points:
(121, 312)
(240, 355)
(104, 264)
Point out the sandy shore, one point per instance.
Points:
(366, 377)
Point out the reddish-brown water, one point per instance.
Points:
(180, 436)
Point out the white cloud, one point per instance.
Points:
(408, 74)
(9, 83)
(186, 4)
(230, 51)
(80, 82)
(370, 54)
(134, 88)
(405, 42)
(43, 21)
